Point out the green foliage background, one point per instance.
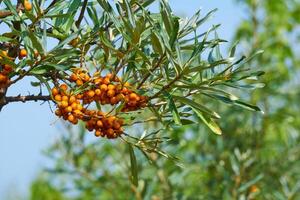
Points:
(257, 157)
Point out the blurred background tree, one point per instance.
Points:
(256, 158)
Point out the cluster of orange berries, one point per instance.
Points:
(105, 90)
(6, 69)
(4, 78)
(4, 72)
(70, 108)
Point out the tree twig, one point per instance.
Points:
(151, 70)
(81, 15)
(7, 100)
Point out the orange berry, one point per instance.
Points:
(111, 87)
(110, 132)
(79, 96)
(72, 99)
(103, 87)
(63, 87)
(124, 90)
(74, 105)
(116, 125)
(111, 93)
(57, 97)
(79, 107)
(98, 92)
(7, 68)
(65, 98)
(100, 113)
(91, 93)
(111, 120)
(98, 133)
(77, 113)
(86, 77)
(79, 82)
(58, 113)
(82, 75)
(22, 53)
(64, 104)
(98, 81)
(73, 77)
(109, 75)
(75, 121)
(106, 81)
(3, 79)
(71, 118)
(69, 109)
(54, 91)
(133, 96)
(99, 123)
(27, 5)
(114, 100)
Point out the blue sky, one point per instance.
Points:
(27, 129)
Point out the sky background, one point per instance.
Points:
(27, 129)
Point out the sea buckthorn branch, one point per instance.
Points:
(106, 90)
(6, 100)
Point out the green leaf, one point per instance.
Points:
(5, 39)
(174, 34)
(156, 44)
(209, 122)
(173, 109)
(133, 164)
(197, 106)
